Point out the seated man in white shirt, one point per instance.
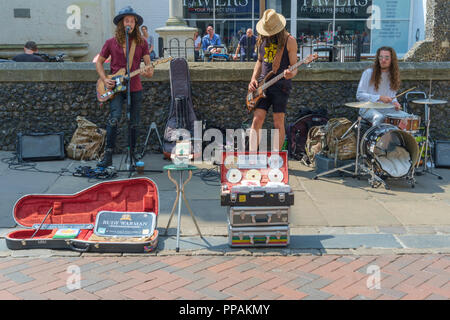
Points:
(380, 84)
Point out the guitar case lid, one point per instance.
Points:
(81, 209)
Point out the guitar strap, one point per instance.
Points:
(277, 60)
(131, 56)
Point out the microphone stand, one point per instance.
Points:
(131, 165)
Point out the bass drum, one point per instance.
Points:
(389, 150)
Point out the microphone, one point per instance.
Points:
(127, 29)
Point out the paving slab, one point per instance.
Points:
(356, 212)
(341, 241)
(334, 203)
(425, 241)
(419, 212)
(3, 246)
(16, 184)
(296, 242)
(194, 243)
(305, 212)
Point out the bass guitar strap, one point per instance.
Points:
(277, 60)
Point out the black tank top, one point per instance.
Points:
(267, 55)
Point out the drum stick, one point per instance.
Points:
(403, 93)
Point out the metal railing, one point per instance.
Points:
(344, 49)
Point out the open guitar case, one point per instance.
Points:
(43, 215)
(181, 114)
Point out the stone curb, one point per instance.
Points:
(426, 244)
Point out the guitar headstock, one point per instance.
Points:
(311, 58)
(164, 60)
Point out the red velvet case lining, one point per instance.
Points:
(131, 195)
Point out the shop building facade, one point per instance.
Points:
(396, 23)
(80, 29)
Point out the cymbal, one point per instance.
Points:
(429, 101)
(368, 104)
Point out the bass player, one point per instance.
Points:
(277, 51)
(115, 47)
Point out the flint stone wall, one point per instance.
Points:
(436, 45)
(47, 97)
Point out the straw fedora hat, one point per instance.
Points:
(271, 23)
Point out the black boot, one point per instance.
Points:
(107, 159)
(111, 133)
(133, 138)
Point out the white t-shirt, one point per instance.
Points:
(367, 92)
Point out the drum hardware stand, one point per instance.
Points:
(426, 168)
(359, 167)
(150, 129)
(374, 180)
(342, 168)
(427, 102)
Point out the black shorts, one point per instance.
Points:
(277, 97)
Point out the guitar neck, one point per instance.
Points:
(138, 71)
(281, 75)
(153, 64)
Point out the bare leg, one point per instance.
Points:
(278, 121)
(259, 115)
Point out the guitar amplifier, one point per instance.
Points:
(442, 154)
(40, 146)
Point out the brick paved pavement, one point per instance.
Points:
(153, 277)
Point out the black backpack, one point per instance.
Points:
(297, 132)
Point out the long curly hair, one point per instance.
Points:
(394, 71)
(280, 39)
(136, 34)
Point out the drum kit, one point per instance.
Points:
(390, 149)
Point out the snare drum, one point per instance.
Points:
(408, 122)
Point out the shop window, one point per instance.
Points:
(280, 6)
(230, 9)
(230, 31)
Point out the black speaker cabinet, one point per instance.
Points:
(40, 146)
(442, 154)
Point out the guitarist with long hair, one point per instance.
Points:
(115, 47)
(277, 51)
